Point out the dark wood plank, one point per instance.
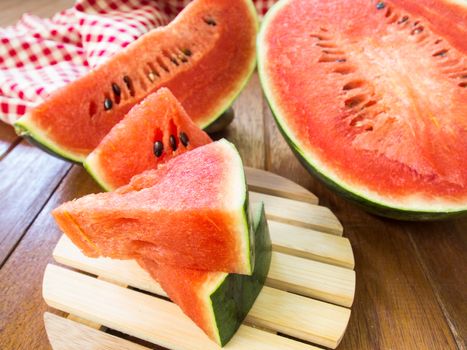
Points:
(8, 139)
(29, 176)
(395, 306)
(246, 130)
(442, 248)
(11, 10)
(21, 305)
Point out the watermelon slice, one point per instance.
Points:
(218, 302)
(372, 97)
(204, 56)
(190, 212)
(152, 133)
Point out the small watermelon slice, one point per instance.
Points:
(218, 302)
(152, 133)
(204, 56)
(372, 97)
(190, 212)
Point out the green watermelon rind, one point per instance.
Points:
(27, 129)
(233, 295)
(363, 200)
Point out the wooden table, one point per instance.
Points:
(411, 277)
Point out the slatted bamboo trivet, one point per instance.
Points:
(307, 297)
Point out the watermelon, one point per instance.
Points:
(189, 212)
(372, 98)
(218, 302)
(204, 56)
(152, 133)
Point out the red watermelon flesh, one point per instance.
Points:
(129, 148)
(204, 56)
(190, 212)
(373, 96)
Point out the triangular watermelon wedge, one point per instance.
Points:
(218, 302)
(190, 212)
(153, 132)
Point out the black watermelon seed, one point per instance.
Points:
(187, 52)
(108, 104)
(127, 81)
(158, 148)
(210, 22)
(116, 89)
(184, 139)
(341, 60)
(380, 5)
(173, 142)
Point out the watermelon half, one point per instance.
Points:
(204, 56)
(153, 132)
(372, 98)
(190, 212)
(218, 302)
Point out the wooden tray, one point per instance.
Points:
(307, 297)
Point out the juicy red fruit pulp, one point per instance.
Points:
(377, 91)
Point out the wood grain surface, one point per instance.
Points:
(411, 285)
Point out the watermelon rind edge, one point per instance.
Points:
(245, 207)
(26, 129)
(249, 287)
(368, 204)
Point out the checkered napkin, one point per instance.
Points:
(38, 55)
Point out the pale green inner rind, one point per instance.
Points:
(242, 188)
(364, 196)
(93, 167)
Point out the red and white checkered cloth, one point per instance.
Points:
(38, 55)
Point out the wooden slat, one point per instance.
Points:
(311, 278)
(65, 334)
(146, 317)
(130, 273)
(301, 317)
(269, 183)
(311, 244)
(299, 213)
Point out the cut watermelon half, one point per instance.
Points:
(204, 56)
(372, 97)
(152, 133)
(218, 302)
(190, 212)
